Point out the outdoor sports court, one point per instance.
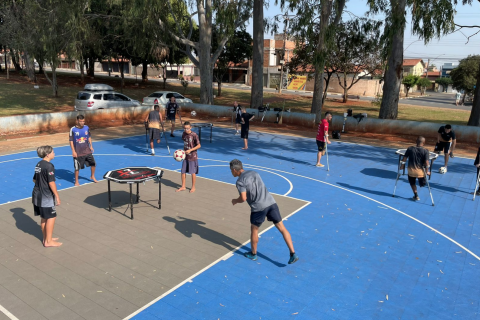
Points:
(363, 254)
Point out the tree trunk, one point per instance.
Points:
(40, 66)
(30, 67)
(14, 61)
(258, 48)
(345, 88)
(204, 51)
(394, 72)
(219, 90)
(6, 64)
(474, 119)
(326, 9)
(54, 80)
(122, 75)
(82, 71)
(145, 71)
(327, 81)
(91, 67)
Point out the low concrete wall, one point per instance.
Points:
(49, 122)
(415, 128)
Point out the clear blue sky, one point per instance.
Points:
(449, 48)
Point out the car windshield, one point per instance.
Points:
(83, 96)
(156, 95)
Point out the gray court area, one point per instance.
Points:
(109, 266)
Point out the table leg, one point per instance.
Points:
(211, 131)
(159, 193)
(431, 166)
(131, 201)
(138, 195)
(400, 159)
(109, 197)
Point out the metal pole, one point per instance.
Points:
(131, 201)
(109, 197)
(211, 132)
(326, 151)
(428, 185)
(159, 193)
(165, 136)
(138, 193)
(398, 176)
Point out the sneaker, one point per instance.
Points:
(293, 258)
(153, 152)
(416, 198)
(477, 193)
(171, 135)
(319, 165)
(250, 256)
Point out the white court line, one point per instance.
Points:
(224, 257)
(8, 313)
(95, 154)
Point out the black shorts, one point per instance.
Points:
(45, 212)
(272, 213)
(80, 162)
(442, 145)
(238, 120)
(244, 133)
(421, 181)
(321, 145)
(171, 119)
(154, 133)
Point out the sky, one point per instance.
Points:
(449, 49)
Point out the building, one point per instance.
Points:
(447, 68)
(414, 67)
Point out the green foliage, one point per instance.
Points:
(377, 101)
(410, 81)
(464, 77)
(424, 82)
(444, 82)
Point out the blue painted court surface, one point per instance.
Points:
(363, 254)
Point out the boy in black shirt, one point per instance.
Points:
(418, 159)
(446, 141)
(45, 194)
(246, 117)
(171, 111)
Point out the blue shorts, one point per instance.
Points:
(272, 213)
(190, 167)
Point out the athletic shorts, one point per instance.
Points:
(238, 120)
(80, 162)
(154, 133)
(45, 212)
(190, 167)
(272, 213)
(171, 119)
(321, 145)
(244, 133)
(421, 181)
(445, 146)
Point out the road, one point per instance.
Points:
(438, 100)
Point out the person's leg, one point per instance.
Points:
(151, 144)
(286, 236)
(245, 144)
(76, 177)
(42, 225)
(446, 159)
(49, 242)
(194, 179)
(173, 128)
(92, 170)
(182, 188)
(319, 157)
(254, 238)
(412, 181)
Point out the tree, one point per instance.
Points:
(356, 53)
(315, 26)
(409, 82)
(237, 50)
(423, 83)
(444, 82)
(429, 19)
(230, 15)
(256, 97)
(464, 77)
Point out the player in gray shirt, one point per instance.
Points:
(252, 189)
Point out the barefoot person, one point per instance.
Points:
(446, 142)
(418, 160)
(245, 121)
(154, 120)
(171, 111)
(252, 189)
(322, 137)
(191, 144)
(82, 148)
(237, 111)
(45, 195)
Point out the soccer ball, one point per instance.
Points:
(179, 155)
(193, 113)
(442, 170)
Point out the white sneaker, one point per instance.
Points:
(153, 152)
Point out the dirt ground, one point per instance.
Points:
(116, 129)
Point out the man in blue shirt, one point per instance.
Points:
(82, 148)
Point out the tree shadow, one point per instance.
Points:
(189, 227)
(25, 223)
(379, 173)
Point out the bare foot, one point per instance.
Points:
(77, 184)
(181, 189)
(94, 180)
(158, 141)
(52, 244)
(192, 190)
(244, 148)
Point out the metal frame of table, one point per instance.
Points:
(201, 125)
(130, 182)
(431, 157)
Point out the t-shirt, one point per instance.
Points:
(246, 118)
(190, 141)
(238, 111)
(154, 119)
(42, 195)
(322, 128)
(458, 95)
(80, 137)
(417, 157)
(258, 196)
(172, 108)
(446, 137)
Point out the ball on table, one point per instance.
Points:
(179, 155)
(193, 113)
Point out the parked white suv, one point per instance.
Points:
(162, 97)
(101, 96)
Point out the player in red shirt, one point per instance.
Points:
(322, 137)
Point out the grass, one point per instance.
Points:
(17, 96)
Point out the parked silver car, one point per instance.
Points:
(162, 97)
(101, 96)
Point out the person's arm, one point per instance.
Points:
(146, 119)
(253, 116)
(197, 146)
(90, 141)
(454, 143)
(427, 166)
(53, 187)
(241, 198)
(74, 154)
(327, 140)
